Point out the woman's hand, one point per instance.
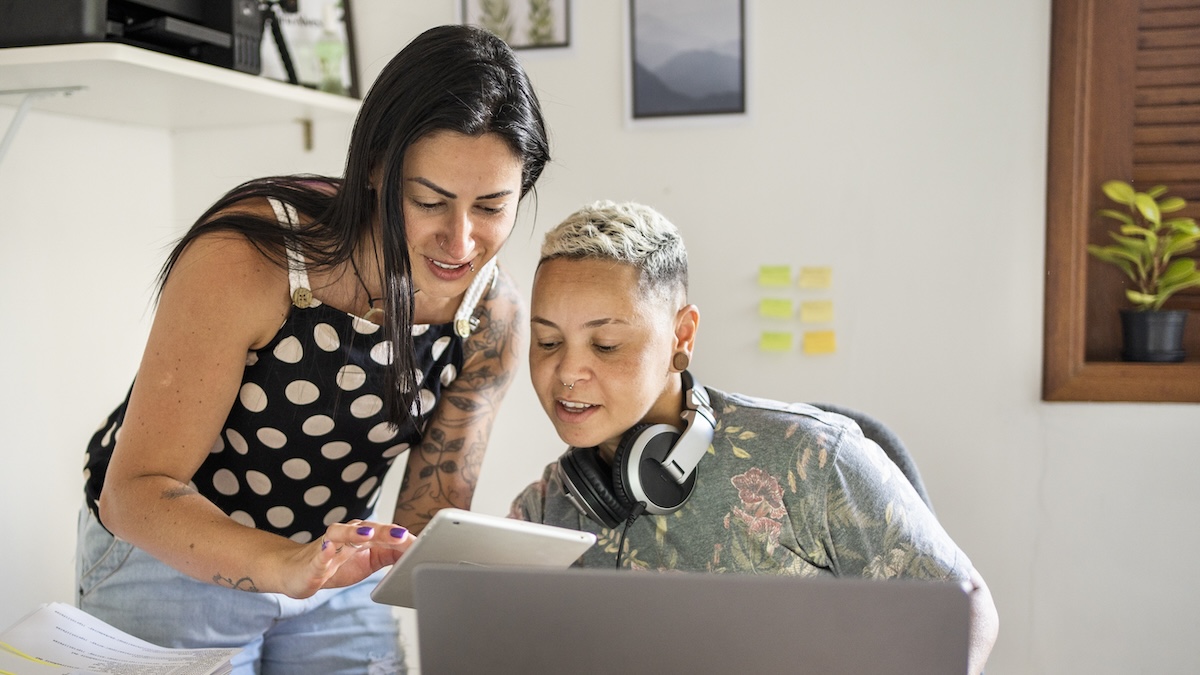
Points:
(348, 553)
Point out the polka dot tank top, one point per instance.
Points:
(305, 444)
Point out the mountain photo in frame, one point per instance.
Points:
(687, 57)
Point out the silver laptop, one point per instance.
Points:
(522, 620)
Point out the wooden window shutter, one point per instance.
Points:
(1124, 103)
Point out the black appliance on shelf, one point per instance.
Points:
(224, 33)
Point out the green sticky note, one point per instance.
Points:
(774, 276)
(775, 342)
(775, 308)
(816, 311)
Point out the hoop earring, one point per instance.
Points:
(681, 361)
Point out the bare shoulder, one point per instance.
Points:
(225, 279)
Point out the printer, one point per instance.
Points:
(224, 33)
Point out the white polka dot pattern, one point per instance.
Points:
(366, 406)
(289, 350)
(301, 392)
(253, 397)
(318, 425)
(306, 443)
(225, 482)
(351, 377)
(297, 469)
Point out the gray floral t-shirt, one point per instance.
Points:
(784, 489)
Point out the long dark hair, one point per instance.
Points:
(455, 78)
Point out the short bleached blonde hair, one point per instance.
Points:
(629, 233)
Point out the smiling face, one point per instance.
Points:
(593, 328)
(460, 196)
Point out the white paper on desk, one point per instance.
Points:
(59, 639)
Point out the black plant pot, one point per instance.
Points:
(1153, 335)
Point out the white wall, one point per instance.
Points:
(902, 144)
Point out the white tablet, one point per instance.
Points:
(470, 538)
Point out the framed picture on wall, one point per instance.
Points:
(310, 43)
(687, 57)
(523, 24)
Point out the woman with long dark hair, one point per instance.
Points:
(310, 330)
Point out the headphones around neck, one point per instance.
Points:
(654, 465)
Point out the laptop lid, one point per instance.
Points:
(520, 620)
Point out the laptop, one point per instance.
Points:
(523, 620)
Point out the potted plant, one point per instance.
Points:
(1147, 249)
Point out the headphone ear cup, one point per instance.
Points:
(592, 482)
(624, 471)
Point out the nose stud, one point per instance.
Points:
(569, 386)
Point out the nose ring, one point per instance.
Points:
(569, 386)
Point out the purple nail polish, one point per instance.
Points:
(365, 531)
(324, 544)
(399, 532)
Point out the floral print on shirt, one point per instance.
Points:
(784, 489)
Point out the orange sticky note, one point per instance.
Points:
(819, 342)
(775, 342)
(815, 277)
(816, 311)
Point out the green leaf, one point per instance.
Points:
(1180, 243)
(1121, 259)
(1140, 300)
(1157, 191)
(1117, 215)
(1177, 271)
(1135, 229)
(1187, 225)
(1119, 191)
(1172, 204)
(1166, 291)
(1148, 207)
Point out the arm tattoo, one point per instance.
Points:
(244, 584)
(444, 469)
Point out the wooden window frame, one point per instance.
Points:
(1090, 140)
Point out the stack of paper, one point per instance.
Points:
(59, 639)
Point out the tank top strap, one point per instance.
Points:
(298, 285)
(464, 322)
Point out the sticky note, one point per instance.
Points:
(816, 311)
(774, 275)
(775, 342)
(819, 342)
(775, 308)
(815, 277)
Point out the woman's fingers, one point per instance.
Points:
(358, 534)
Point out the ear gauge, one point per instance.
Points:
(680, 361)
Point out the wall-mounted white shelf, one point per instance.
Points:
(129, 84)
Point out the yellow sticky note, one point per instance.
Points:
(816, 277)
(775, 342)
(775, 308)
(819, 342)
(774, 275)
(816, 311)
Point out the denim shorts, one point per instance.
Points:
(336, 631)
